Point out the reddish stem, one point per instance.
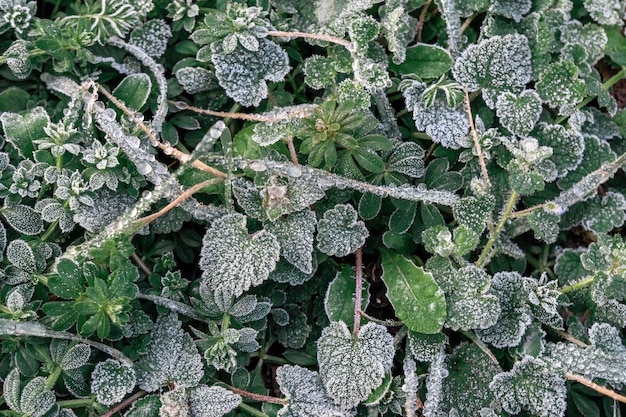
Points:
(128, 401)
(359, 291)
(258, 397)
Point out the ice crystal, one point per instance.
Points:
(23, 219)
(519, 113)
(243, 73)
(306, 394)
(20, 254)
(560, 87)
(591, 37)
(195, 80)
(107, 207)
(170, 358)
(233, 261)
(33, 400)
(339, 233)
(605, 12)
(501, 62)
(111, 381)
(567, 146)
(352, 367)
(530, 386)
(512, 9)
(294, 233)
(211, 401)
(371, 74)
(437, 373)
(425, 347)
(152, 37)
(18, 59)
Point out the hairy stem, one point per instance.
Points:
(570, 338)
(332, 39)
(577, 286)
(257, 397)
(271, 118)
(494, 236)
(481, 158)
(292, 150)
(388, 323)
(359, 292)
(598, 388)
(128, 401)
(174, 306)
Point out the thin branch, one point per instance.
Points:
(257, 397)
(467, 22)
(141, 264)
(577, 285)
(420, 21)
(494, 236)
(527, 211)
(166, 148)
(472, 336)
(128, 401)
(359, 290)
(175, 306)
(388, 323)
(271, 118)
(481, 159)
(598, 388)
(292, 150)
(144, 221)
(570, 338)
(332, 39)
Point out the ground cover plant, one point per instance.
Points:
(330, 208)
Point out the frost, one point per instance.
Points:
(23, 219)
(473, 212)
(596, 152)
(590, 37)
(285, 272)
(111, 381)
(211, 401)
(425, 347)
(530, 386)
(353, 367)
(294, 233)
(268, 133)
(107, 207)
(72, 358)
(18, 59)
(306, 394)
(512, 9)
(515, 316)
(339, 233)
(33, 400)
(502, 62)
(195, 80)
(519, 113)
(407, 158)
(233, 261)
(605, 12)
(152, 37)
(545, 225)
(243, 73)
(319, 72)
(295, 334)
(437, 373)
(398, 28)
(371, 74)
(170, 358)
(20, 254)
(560, 87)
(568, 146)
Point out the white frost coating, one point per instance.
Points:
(194, 80)
(605, 12)
(339, 233)
(437, 373)
(18, 59)
(211, 401)
(111, 381)
(519, 113)
(501, 62)
(411, 385)
(152, 37)
(295, 236)
(513, 9)
(243, 74)
(233, 261)
(352, 367)
(591, 37)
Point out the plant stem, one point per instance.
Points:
(141, 264)
(420, 21)
(174, 306)
(272, 118)
(576, 286)
(359, 290)
(257, 397)
(494, 236)
(481, 158)
(570, 338)
(76, 403)
(128, 401)
(388, 323)
(53, 377)
(598, 388)
(251, 410)
(332, 39)
(605, 86)
(292, 150)
(472, 336)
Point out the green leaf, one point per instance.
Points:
(13, 99)
(523, 180)
(20, 254)
(23, 219)
(417, 299)
(369, 206)
(402, 218)
(595, 153)
(519, 113)
(146, 406)
(134, 90)
(569, 268)
(560, 87)
(233, 261)
(22, 130)
(616, 47)
(605, 213)
(369, 160)
(68, 282)
(473, 212)
(407, 158)
(111, 381)
(319, 72)
(294, 233)
(545, 225)
(352, 367)
(296, 333)
(305, 393)
(340, 297)
(339, 233)
(426, 61)
(567, 146)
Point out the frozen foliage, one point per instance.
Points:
(243, 73)
(425, 347)
(411, 384)
(407, 158)
(559, 86)
(111, 381)
(294, 233)
(473, 212)
(437, 373)
(211, 401)
(16, 15)
(519, 113)
(152, 37)
(268, 133)
(107, 18)
(444, 124)
(107, 207)
(295, 333)
(501, 62)
(232, 261)
(170, 358)
(195, 80)
(339, 233)
(371, 75)
(591, 37)
(33, 400)
(567, 146)
(352, 367)
(605, 12)
(306, 394)
(18, 59)
(20, 254)
(513, 9)
(530, 386)
(23, 219)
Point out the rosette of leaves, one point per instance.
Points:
(65, 362)
(345, 138)
(32, 399)
(353, 366)
(221, 345)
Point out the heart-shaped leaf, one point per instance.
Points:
(519, 113)
(339, 233)
(353, 367)
(233, 261)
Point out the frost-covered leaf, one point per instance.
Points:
(515, 313)
(567, 146)
(425, 61)
(294, 233)
(407, 158)
(33, 400)
(531, 386)
(605, 12)
(371, 74)
(75, 357)
(512, 9)
(305, 393)
(266, 134)
(545, 225)
(399, 29)
(296, 333)
(287, 273)
(605, 213)
(417, 299)
(339, 233)
(473, 212)
(519, 113)
(243, 73)
(340, 297)
(437, 373)
(20, 254)
(560, 87)
(134, 90)
(23, 219)
(152, 37)
(213, 401)
(171, 357)
(353, 367)
(595, 153)
(319, 72)
(22, 130)
(18, 59)
(111, 381)
(590, 37)
(569, 268)
(145, 407)
(425, 347)
(233, 261)
(524, 180)
(501, 62)
(195, 80)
